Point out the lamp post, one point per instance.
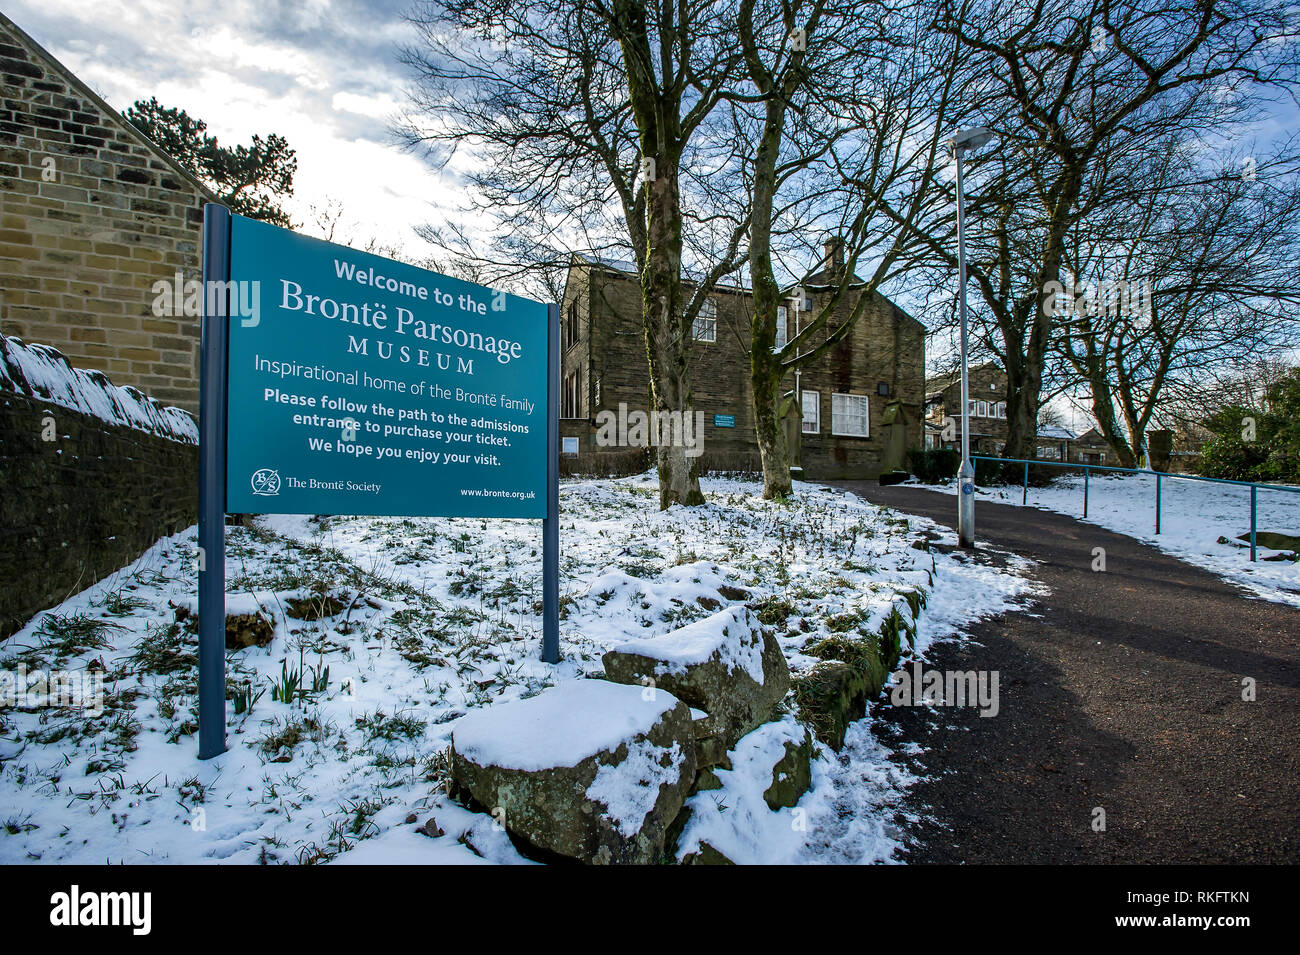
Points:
(963, 139)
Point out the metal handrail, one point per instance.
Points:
(1160, 475)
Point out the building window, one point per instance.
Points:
(811, 403)
(1002, 410)
(782, 332)
(983, 409)
(705, 327)
(849, 416)
(972, 407)
(571, 326)
(571, 397)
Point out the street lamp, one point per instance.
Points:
(972, 138)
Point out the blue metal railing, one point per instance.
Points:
(1160, 476)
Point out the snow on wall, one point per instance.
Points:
(45, 373)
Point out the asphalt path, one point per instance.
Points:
(1120, 691)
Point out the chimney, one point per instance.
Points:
(834, 258)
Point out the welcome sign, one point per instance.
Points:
(332, 381)
(361, 385)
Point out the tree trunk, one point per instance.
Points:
(668, 334)
(769, 425)
(1103, 409)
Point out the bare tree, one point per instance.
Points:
(1197, 274)
(1071, 88)
(847, 116)
(575, 109)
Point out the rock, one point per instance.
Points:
(706, 855)
(1273, 540)
(792, 774)
(315, 606)
(727, 665)
(590, 770)
(706, 779)
(832, 695)
(430, 828)
(248, 630)
(246, 623)
(411, 818)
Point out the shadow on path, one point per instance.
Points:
(1120, 690)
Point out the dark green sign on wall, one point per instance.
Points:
(361, 385)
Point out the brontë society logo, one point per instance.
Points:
(266, 482)
(76, 908)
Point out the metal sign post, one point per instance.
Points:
(551, 523)
(212, 482)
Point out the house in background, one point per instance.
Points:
(92, 214)
(858, 408)
(987, 395)
(1091, 448)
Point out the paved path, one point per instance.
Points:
(1121, 690)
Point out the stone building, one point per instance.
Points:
(987, 395)
(858, 408)
(92, 214)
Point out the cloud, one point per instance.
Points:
(322, 73)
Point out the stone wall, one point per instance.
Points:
(80, 496)
(91, 215)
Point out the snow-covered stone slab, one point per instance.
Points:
(727, 665)
(591, 770)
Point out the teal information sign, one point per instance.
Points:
(724, 420)
(361, 385)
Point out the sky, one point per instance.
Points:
(322, 73)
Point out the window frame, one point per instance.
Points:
(782, 327)
(707, 316)
(866, 416)
(803, 412)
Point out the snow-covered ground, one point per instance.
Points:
(435, 618)
(1194, 516)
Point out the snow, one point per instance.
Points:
(629, 789)
(732, 636)
(561, 727)
(442, 620)
(43, 372)
(1194, 515)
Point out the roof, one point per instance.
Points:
(1056, 432)
(624, 267)
(76, 82)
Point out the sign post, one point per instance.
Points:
(551, 523)
(212, 483)
(339, 382)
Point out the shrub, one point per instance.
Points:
(934, 466)
(1268, 452)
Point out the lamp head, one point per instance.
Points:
(972, 138)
